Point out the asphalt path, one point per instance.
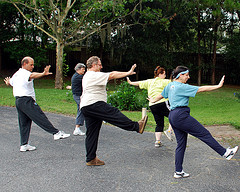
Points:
(132, 162)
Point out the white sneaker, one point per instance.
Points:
(230, 153)
(78, 131)
(158, 144)
(27, 147)
(60, 135)
(168, 134)
(181, 174)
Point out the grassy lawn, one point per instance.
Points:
(209, 108)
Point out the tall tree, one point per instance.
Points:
(18, 37)
(70, 22)
(220, 12)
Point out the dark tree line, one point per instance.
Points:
(166, 33)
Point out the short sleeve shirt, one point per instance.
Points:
(179, 93)
(155, 87)
(94, 88)
(21, 84)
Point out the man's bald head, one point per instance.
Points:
(26, 60)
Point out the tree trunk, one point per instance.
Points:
(199, 70)
(199, 51)
(213, 78)
(214, 62)
(59, 66)
(0, 58)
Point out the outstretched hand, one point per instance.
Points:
(157, 98)
(149, 98)
(128, 80)
(222, 81)
(46, 70)
(131, 71)
(7, 80)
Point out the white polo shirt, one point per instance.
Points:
(94, 88)
(21, 84)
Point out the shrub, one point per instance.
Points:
(237, 94)
(127, 98)
(69, 95)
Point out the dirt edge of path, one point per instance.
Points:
(225, 134)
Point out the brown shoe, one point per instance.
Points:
(142, 123)
(95, 162)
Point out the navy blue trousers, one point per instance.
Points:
(182, 124)
(28, 111)
(94, 115)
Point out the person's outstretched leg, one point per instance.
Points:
(94, 115)
(197, 130)
(34, 112)
(169, 132)
(112, 115)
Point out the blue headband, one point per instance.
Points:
(184, 72)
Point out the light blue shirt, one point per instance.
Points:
(179, 93)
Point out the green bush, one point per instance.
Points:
(128, 98)
(69, 95)
(237, 94)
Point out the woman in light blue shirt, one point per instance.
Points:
(178, 93)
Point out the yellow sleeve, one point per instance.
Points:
(143, 84)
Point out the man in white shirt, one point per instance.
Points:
(27, 108)
(95, 108)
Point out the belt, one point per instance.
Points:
(19, 97)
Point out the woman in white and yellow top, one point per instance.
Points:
(160, 108)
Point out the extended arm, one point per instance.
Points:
(118, 75)
(36, 75)
(211, 87)
(136, 83)
(153, 100)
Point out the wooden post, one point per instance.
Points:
(144, 112)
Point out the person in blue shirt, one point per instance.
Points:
(76, 86)
(178, 93)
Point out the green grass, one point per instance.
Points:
(209, 108)
(217, 107)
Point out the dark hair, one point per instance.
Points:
(158, 70)
(178, 70)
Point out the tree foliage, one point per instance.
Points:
(148, 33)
(70, 22)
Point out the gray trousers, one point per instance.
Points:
(80, 116)
(28, 111)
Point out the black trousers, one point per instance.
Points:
(159, 111)
(94, 115)
(28, 111)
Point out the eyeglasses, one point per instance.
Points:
(100, 64)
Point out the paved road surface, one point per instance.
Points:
(132, 162)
